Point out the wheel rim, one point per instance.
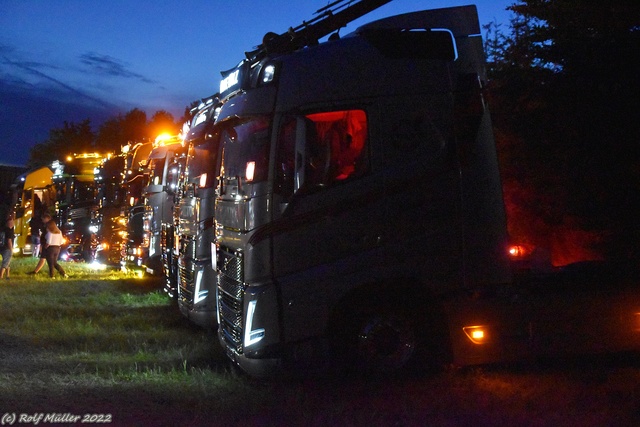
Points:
(386, 343)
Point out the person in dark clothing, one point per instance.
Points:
(36, 225)
(41, 238)
(6, 246)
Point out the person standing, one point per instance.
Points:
(51, 245)
(42, 233)
(36, 227)
(6, 246)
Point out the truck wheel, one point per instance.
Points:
(385, 342)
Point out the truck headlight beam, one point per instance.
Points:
(252, 336)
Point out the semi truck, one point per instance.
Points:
(169, 234)
(135, 247)
(196, 275)
(108, 223)
(77, 204)
(359, 215)
(159, 194)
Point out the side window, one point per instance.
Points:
(157, 170)
(321, 150)
(173, 177)
(339, 146)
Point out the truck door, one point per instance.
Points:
(331, 212)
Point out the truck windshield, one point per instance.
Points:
(84, 191)
(245, 149)
(203, 116)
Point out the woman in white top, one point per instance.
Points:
(51, 245)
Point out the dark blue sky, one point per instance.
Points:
(68, 60)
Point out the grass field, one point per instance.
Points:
(102, 342)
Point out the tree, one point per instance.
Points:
(118, 131)
(162, 122)
(114, 133)
(72, 138)
(563, 89)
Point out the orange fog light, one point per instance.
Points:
(477, 334)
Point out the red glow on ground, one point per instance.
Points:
(559, 243)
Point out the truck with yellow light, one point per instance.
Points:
(359, 213)
(76, 204)
(135, 246)
(110, 222)
(159, 195)
(169, 232)
(36, 193)
(196, 277)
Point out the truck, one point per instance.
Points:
(169, 231)
(359, 217)
(135, 246)
(159, 195)
(77, 204)
(196, 279)
(35, 192)
(111, 197)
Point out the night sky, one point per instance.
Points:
(69, 60)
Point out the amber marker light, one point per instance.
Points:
(477, 334)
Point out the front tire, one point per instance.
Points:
(385, 342)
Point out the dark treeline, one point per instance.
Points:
(563, 88)
(563, 92)
(134, 126)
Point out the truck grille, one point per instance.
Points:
(187, 284)
(230, 296)
(185, 272)
(168, 267)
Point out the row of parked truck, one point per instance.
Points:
(340, 201)
(148, 209)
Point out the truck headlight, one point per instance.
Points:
(252, 336)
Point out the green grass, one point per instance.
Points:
(104, 334)
(107, 342)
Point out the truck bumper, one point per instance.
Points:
(201, 316)
(197, 296)
(153, 265)
(260, 368)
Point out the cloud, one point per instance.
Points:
(107, 65)
(27, 116)
(40, 69)
(39, 93)
(6, 49)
